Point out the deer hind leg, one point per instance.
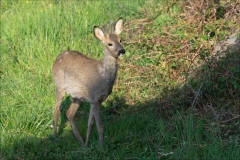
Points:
(70, 115)
(60, 94)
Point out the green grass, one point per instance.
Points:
(149, 115)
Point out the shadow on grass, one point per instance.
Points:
(197, 120)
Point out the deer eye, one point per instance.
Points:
(120, 41)
(110, 44)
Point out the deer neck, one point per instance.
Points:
(110, 66)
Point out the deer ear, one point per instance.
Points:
(119, 26)
(98, 33)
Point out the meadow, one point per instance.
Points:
(172, 99)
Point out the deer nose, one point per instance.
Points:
(121, 52)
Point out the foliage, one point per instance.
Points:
(173, 98)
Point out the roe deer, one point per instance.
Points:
(88, 80)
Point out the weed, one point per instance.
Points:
(173, 98)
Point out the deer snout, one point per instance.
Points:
(121, 52)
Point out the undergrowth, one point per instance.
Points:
(174, 96)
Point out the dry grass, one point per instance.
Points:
(178, 67)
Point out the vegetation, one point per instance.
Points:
(173, 98)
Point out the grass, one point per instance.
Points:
(168, 102)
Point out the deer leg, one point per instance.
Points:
(60, 94)
(70, 115)
(90, 124)
(96, 112)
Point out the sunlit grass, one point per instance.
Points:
(137, 125)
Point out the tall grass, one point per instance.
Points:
(33, 33)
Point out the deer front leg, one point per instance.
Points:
(90, 124)
(96, 112)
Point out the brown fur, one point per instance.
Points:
(86, 79)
